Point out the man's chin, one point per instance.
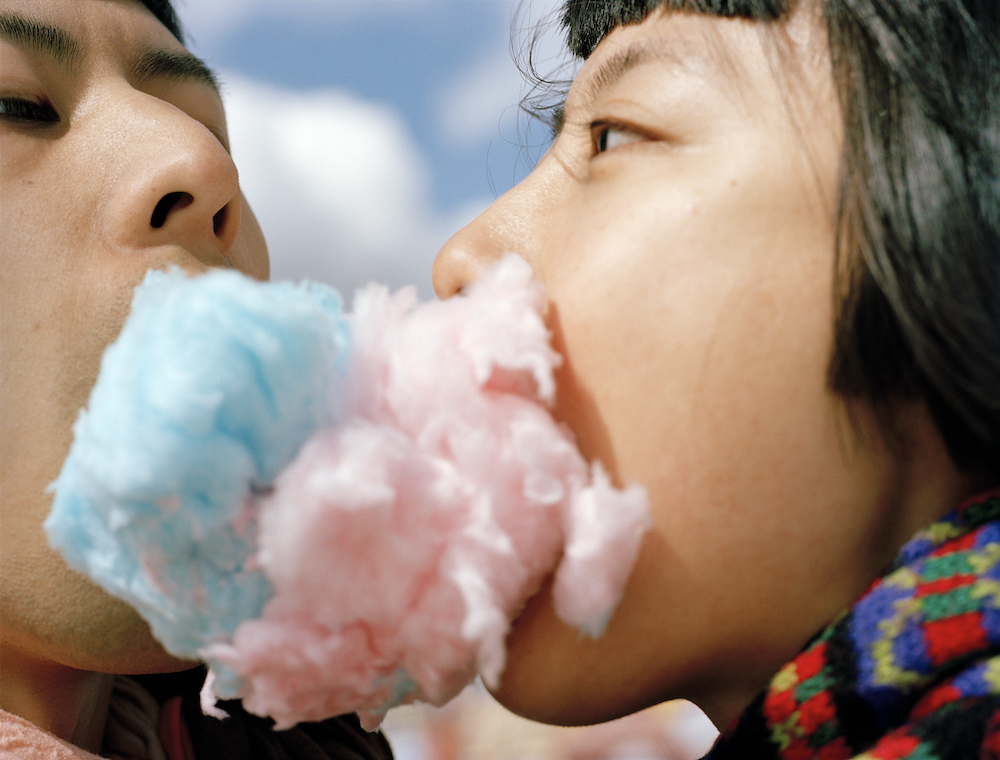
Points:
(136, 652)
(110, 638)
(153, 661)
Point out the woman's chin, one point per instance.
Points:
(533, 683)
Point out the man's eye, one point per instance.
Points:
(610, 136)
(19, 109)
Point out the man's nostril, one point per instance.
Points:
(168, 203)
(219, 220)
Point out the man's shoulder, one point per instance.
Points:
(23, 740)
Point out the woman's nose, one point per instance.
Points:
(174, 184)
(466, 252)
(517, 222)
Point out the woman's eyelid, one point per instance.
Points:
(601, 130)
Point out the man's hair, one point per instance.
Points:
(918, 294)
(164, 12)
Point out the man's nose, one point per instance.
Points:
(172, 183)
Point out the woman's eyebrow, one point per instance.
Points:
(34, 35)
(679, 54)
(615, 67)
(590, 86)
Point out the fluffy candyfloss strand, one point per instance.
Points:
(339, 512)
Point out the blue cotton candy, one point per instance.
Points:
(223, 378)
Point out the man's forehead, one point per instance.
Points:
(122, 21)
(55, 30)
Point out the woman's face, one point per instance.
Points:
(113, 160)
(683, 224)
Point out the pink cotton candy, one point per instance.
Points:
(403, 541)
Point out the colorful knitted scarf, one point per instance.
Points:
(911, 670)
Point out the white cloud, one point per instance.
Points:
(340, 188)
(467, 110)
(204, 21)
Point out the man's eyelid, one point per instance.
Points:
(222, 137)
(30, 90)
(172, 91)
(29, 111)
(218, 131)
(219, 128)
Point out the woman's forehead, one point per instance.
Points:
(683, 46)
(724, 53)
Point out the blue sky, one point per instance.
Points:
(367, 131)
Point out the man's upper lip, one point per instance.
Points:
(198, 259)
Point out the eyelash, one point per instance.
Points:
(22, 110)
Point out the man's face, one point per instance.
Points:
(113, 160)
(683, 223)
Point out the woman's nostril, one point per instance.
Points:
(169, 203)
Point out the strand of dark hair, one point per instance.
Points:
(166, 15)
(920, 211)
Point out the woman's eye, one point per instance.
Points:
(610, 136)
(19, 109)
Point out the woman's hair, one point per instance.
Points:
(164, 12)
(918, 290)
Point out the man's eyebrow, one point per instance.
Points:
(34, 35)
(150, 63)
(155, 63)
